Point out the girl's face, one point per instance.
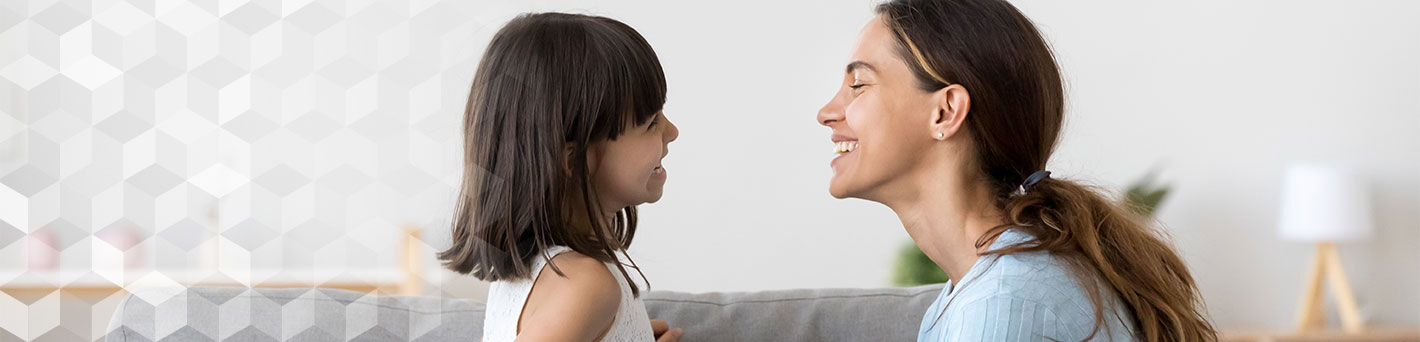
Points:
(627, 171)
(881, 120)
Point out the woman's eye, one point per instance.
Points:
(856, 86)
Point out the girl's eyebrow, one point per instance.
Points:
(855, 65)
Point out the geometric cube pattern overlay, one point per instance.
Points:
(139, 139)
(240, 314)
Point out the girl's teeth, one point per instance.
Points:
(845, 147)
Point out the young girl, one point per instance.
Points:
(564, 136)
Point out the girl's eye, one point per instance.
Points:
(653, 122)
(856, 86)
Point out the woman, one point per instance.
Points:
(948, 112)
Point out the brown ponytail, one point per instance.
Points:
(1017, 109)
(1099, 236)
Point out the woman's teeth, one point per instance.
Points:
(658, 169)
(845, 146)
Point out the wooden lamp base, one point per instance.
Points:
(1310, 314)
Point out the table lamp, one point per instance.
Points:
(1325, 205)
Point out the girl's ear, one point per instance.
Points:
(952, 104)
(567, 149)
(593, 155)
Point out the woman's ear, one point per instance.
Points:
(951, 107)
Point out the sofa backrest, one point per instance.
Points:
(882, 314)
(305, 314)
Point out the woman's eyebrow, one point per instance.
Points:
(859, 64)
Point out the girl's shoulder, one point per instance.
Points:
(573, 273)
(576, 300)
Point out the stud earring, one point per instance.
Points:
(941, 135)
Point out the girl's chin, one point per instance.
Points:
(654, 191)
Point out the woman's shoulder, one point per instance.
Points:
(1033, 277)
(1037, 276)
(1037, 289)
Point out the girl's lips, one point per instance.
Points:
(658, 172)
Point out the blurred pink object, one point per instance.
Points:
(125, 239)
(41, 254)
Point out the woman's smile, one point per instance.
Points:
(843, 146)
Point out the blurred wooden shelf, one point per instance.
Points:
(86, 282)
(407, 280)
(1376, 334)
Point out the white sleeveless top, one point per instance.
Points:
(506, 299)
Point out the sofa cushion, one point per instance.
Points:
(886, 314)
(296, 314)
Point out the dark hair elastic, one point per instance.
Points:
(1034, 178)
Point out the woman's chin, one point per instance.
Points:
(837, 189)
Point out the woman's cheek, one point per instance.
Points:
(857, 113)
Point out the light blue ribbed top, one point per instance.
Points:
(1021, 297)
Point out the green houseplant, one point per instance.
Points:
(914, 268)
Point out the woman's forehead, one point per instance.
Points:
(875, 49)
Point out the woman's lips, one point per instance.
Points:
(842, 146)
(841, 155)
(845, 146)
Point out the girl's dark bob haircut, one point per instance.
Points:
(549, 85)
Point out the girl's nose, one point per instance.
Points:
(672, 131)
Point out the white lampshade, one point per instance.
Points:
(1323, 204)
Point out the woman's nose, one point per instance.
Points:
(831, 112)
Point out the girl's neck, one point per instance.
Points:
(577, 215)
(945, 216)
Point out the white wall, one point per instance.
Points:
(1221, 94)
(1224, 94)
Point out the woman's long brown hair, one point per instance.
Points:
(549, 85)
(1017, 108)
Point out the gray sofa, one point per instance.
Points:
(240, 314)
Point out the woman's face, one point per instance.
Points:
(881, 120)
(627, 171)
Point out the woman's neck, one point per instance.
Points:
(946, 216)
